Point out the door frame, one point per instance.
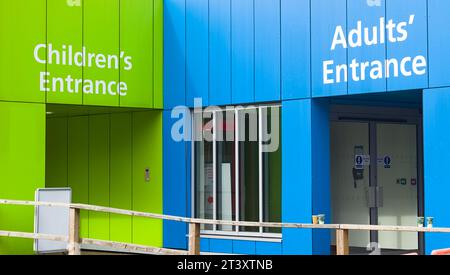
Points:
(393, 115)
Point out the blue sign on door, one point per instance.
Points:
(359, 162)
(387, 162)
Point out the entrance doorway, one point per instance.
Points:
(110, 157)
(376, 175)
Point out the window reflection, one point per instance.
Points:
(271, 172)
(204, 175)
(236, 177)
(226, 183)
(248, 168)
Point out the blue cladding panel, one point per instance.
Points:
(436, 121)
(267, 50)
(204, 245)
(197, 51)
(247, 44)
(296, 159)
(244, 247)
(368, 17)
(326, 15)
(242, 53)
(221, 246)
(305, 140)
(267, 248)
(321, 172)
(295, 49)
(439, 42)
(174, 53)
(175, 191)
(220, 51)
(415, 45)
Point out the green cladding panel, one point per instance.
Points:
(120, 175)
(147, 196)
(105, 157)
(64, 43)
(56, 153)
(99, 175)
(101, 39)
(92, 52)
(22, 168)
(158, 53)
(78, 160)
(141, 38)
(68, 52)
(136, 40)
(22, 28)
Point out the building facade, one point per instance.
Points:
(246, 110)
(81, 106)
(362, 91)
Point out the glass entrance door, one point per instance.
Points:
(397, 179)
(349, 185)
(374, 180)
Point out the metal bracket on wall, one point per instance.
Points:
(147, 174)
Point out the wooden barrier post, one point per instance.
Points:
(194, 239)
(342, 247)
(74, 232)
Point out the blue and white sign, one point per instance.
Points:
(361, 161)
(387, 162)
(373, 48)
(385, 32)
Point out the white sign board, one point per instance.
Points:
(52, 220)
(361, 161)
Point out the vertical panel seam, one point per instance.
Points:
(120, 45)
(153, 55)
(310, 50)
(67, 154)
(88, 168)
(186, 95)
(209, 56)
(189, 184)
(231, 52)
(82, 52)
(386, 52)
(254, 51)
(132, 174)
(109, 171)
(280, 54)
(346, 50)
(428, 42)
(46, 48)
(185, 54)
(311, 168)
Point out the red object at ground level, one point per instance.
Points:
(441, 252)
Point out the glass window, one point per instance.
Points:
(226, 183)
(249, 168)
(237, 167)
(204, 184)
(271, 156)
